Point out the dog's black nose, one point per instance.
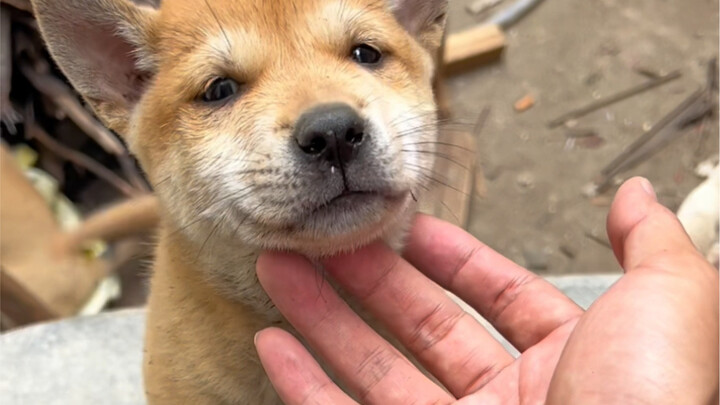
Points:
(332, 132)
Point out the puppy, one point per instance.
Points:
(303, 125)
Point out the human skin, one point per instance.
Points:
(652, 338)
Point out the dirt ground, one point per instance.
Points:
(565, 54)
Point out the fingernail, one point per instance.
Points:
(255, 338)
(647, 186)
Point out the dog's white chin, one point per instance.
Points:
(334, 231)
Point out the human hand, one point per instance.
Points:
(652, 338)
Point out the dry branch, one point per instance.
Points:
(23, 5)
(606, 101)
(34, 131)
(64, 97)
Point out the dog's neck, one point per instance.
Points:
(227, 266)
(228, 269)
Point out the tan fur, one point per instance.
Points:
(224, 175)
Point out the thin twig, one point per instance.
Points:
(34, 131)
(667, 120)
(604, 102)
(697, 105)
(23, 5)
(127, 164)
(597, 239)
(481, 120)
(63, 96)
(66, 100)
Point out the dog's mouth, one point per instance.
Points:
(349, 197)
(351, 208)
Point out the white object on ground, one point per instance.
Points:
(699, 213)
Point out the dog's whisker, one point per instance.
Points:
(212, 231)
(430, 177)
(452, 145)
(422, 171)
(440, 155)
(227, 39)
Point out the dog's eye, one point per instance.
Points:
(365, 54)
(220, 89)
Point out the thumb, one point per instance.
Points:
(640, 228)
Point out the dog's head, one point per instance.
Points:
(291, 124)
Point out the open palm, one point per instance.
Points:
(652, 338)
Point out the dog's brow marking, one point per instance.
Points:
(242, 56)
(334, 17)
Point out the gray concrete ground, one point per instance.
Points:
(566, 53)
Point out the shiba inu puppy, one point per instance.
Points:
(303, 125)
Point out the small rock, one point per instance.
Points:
(571, 124)
(569, 251)
(590, 190)
(593, 78)
(525, 180)
(524, 103)
(591, 142)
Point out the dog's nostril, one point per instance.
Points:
(316, 145)
(353, 137)
(333, 132)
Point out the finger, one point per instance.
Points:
(522, 306)
(372, 368)
(640, 228)
(449, 342)
(296, 376)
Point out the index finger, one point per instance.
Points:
(372, 367)
(522, 306)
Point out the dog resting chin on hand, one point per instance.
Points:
(303, 125)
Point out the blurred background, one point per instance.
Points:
(553, 104)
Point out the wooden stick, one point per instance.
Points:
(604, 102)
(442, 99)
(696, 105)
(467, 49)
(652, 141)
(616, 165)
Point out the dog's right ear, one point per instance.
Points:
(104, 47)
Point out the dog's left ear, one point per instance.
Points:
(105, 49)
(424, 19)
